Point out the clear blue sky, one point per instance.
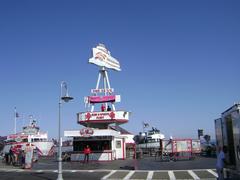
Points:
(180, 60)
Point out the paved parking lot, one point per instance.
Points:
(149, 163)
(108, 174)
(181, 174)
(147, 168)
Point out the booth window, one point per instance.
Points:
(118, 144)
(94, 145)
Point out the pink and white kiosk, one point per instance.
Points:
(107, 140)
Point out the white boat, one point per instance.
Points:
(30, 134)
(154, 135)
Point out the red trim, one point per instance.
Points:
(106, 120)
(39, 151)
(101, 99)
(51, 151)
(103, 121)
(134, 148)
(14, 143)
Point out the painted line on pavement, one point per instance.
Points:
(171, 175)
(39, 171)
(212, 172)
(193, 175)
(9, 170)
(129, 175)
(111, 172)
(108, 175)
(19, 170)
(150, 175)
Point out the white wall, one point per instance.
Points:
(118, 147)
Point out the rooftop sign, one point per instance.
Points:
(86, 132)
(105, 115)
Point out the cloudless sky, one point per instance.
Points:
(180, 61)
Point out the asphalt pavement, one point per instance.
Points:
(147, 168)
(149, 163)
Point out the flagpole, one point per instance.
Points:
(15, 120)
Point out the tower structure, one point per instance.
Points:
(101, 103)
(106, 141)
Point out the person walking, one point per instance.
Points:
(221, 161)
(86, 152)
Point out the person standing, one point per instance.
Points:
(21, 157)
(86, 152)
(109, 108)
(28, 156)
(221, 161)
(103, 108)
(10, 155)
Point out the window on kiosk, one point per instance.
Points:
(106, 145)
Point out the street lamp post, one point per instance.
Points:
(62, 98)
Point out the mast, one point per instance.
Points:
(15, 120)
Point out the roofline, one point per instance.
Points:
(235, 105)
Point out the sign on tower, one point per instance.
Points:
(102, 57)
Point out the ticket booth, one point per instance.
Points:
(105, 144)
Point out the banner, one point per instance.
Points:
(103, 116)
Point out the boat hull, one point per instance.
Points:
(45, 148)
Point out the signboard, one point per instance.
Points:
(86, 132)
(102, 57)
(95, 91)
(100, 133)
(16, 136)
(102, 99)
(106, 115)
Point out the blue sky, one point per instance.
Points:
(180, 61)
